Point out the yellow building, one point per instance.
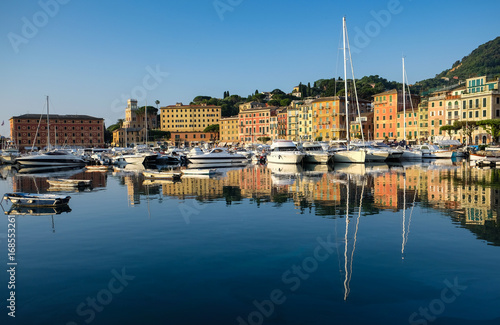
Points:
(328, 114)
(423, 119)
(229, 129)
(189, 118)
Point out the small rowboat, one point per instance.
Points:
(40, 200)
(69, 182)
(161, 175)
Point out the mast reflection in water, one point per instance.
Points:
(208, 249)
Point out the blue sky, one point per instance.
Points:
(90, 56)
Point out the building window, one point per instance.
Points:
(484, 113)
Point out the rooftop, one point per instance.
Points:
(57, 116)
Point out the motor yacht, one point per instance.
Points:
(215, 157)
(285, 152)
(54, 158)
(316, 154)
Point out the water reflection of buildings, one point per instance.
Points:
(464, 192)
(37, 183)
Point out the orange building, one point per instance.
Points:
(189, 138)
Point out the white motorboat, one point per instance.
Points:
(54, 158)
(285, 152)
(350, 156)
(215, 157)
(316, 154)
(394, 153)
(139, 158)
(411, 154)
(9, 155)
(247, 153)
(373, 154)
(431, 151)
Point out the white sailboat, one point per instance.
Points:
(348, 156)
(408, 153)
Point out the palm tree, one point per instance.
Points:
(157, 102)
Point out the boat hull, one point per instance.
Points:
(411, 155)
(285, 158)
(376, 156)
(323, 158)
(358, 156)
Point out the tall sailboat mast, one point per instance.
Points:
(48, 125)
(404, 103)
(146, 117)
(344, 30)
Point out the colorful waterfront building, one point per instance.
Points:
(423, 120)
(229, 130)
(363, 123)
(278, 124)
(187, 123)
(329, 120)
(481, 101)
(255, 123)
(133, 129)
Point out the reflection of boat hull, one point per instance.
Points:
(49, 170)
(37, 200)
(37, 211)
(161, 175)
(217, 164)
(196, 171)
(70, 183)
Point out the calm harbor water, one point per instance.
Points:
(375, 244)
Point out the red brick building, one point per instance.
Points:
(30, 130)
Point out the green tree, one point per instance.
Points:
(156, 135)
(263, 139)
(492, 127)
(449, 128)
(212, 128)
(285, 102)
(273, 102)
(467, 128)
